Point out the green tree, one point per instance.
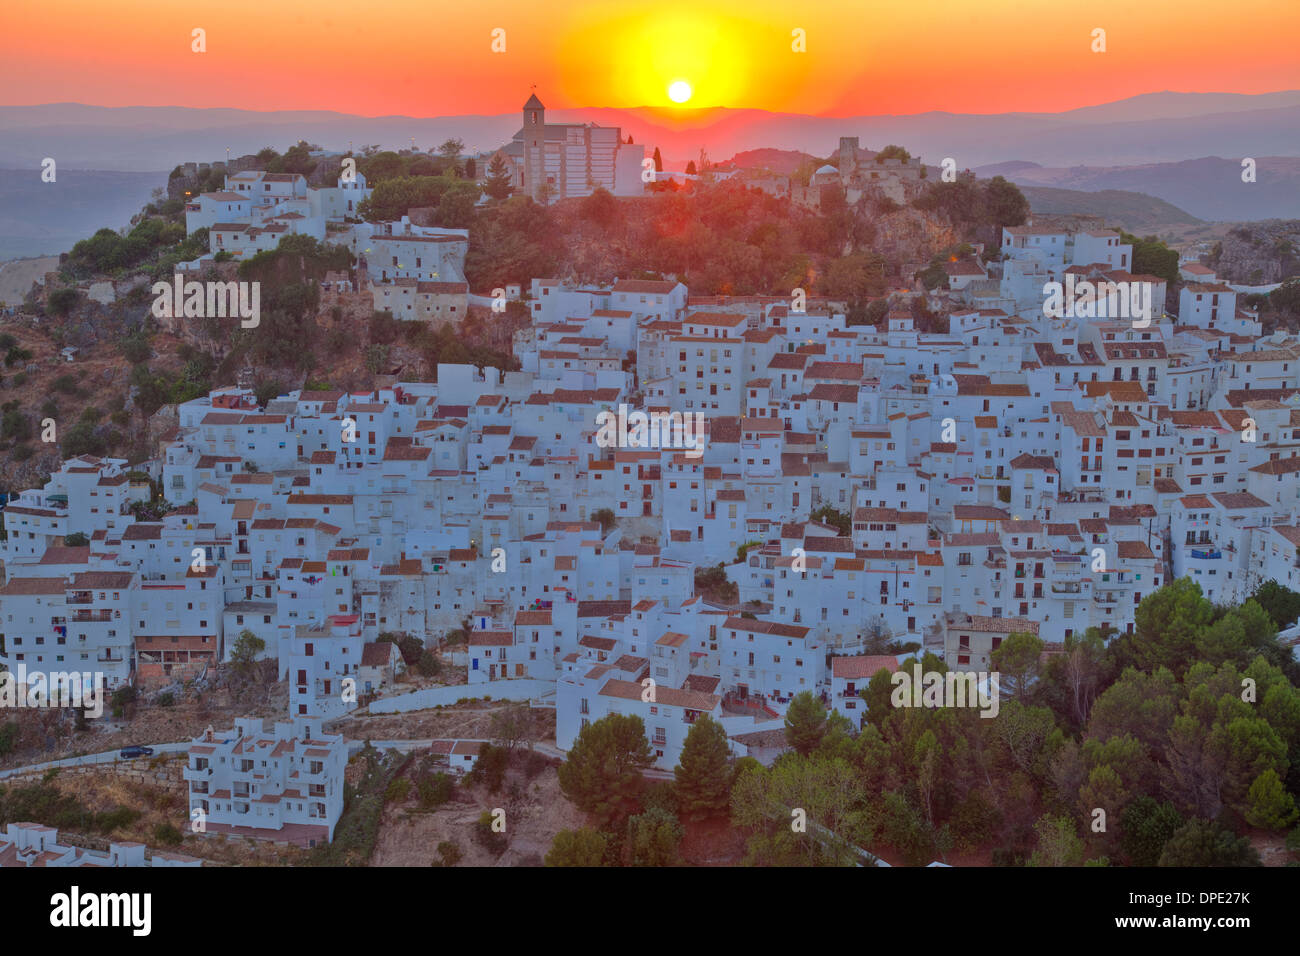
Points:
(451, 149)
(77, 539)
(841, 521)
(246, 648)
(805, 722)
(1280, 603)
(585, 847)
(1167, 625)
(601, 208)
(497, 184)
(704, 776)
(1058, 843)
(854, 278)
(606, 518)
(1270, 806)
(267, 390)
(830, 792)
(62, 301)
(690, 167)
(490, 767)
(1205, 843)
(602, 774)
(1145, 828)
(456, 208)
(1006, 205)
(1016, 659)
(876, 695)
(653, 838)
(1152, 257)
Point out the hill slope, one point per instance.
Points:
(1133, 211)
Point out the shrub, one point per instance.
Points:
(166, 699)
(8, 737)
(495, 843)
(428, 665)
(398, 790)
(167, 835)
(534, 764)
(435, 790)
(449, 853)
(490, 768)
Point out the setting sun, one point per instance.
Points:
(679, 91)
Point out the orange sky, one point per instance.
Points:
(412, 57)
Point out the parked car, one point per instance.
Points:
(137, 752)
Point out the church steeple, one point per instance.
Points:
(534, 113)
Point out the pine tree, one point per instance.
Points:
(1271, 807)
(497, 185)
(603, 773)
(805, 722)
(659, 161)
(704, 774)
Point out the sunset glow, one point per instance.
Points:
(409, 57)
(679, 91)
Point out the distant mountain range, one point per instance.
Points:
(1155, 127)
(1183, 148)
(1207, 188)
(1133, 211)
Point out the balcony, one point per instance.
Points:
(1067, 587)
(92, 617)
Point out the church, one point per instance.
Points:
(551, 161)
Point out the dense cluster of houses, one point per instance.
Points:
(1021, 473)
(415, 272)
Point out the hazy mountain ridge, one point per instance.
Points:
(1209, 187)
(1137, 145)
(1132, 131)
(1132, 210)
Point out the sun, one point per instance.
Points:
(679, 91)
